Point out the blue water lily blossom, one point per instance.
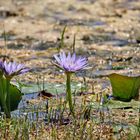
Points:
(7, 71)
(11, 69)
(70, 62)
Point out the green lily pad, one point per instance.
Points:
(50, 87)
(124, 88)
(115, 104)
(15, 97)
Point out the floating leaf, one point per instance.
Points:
(124, 88)
(114, 104)
(49, 87)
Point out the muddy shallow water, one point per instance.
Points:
(106, 32)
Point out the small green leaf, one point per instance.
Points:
(124, 88)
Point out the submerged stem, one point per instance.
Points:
(68, 92)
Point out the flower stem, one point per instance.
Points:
(68, 91)
(3, 97)
(8, 115)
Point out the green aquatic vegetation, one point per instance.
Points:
(7, 71)
(86, 124)
(124, 88)
(73, 44)
(62, 39)
(70, 64)
(15, 97)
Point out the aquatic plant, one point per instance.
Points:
(7, 71)
(70, 64)
(124, 88)
(11, 69)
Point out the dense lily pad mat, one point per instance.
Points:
(124, 88)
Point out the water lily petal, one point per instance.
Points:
(71, 62)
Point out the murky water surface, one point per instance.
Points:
(107, 32)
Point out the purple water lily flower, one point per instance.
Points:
(11, 69)
(70, 62)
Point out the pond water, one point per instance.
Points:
(106, 32)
